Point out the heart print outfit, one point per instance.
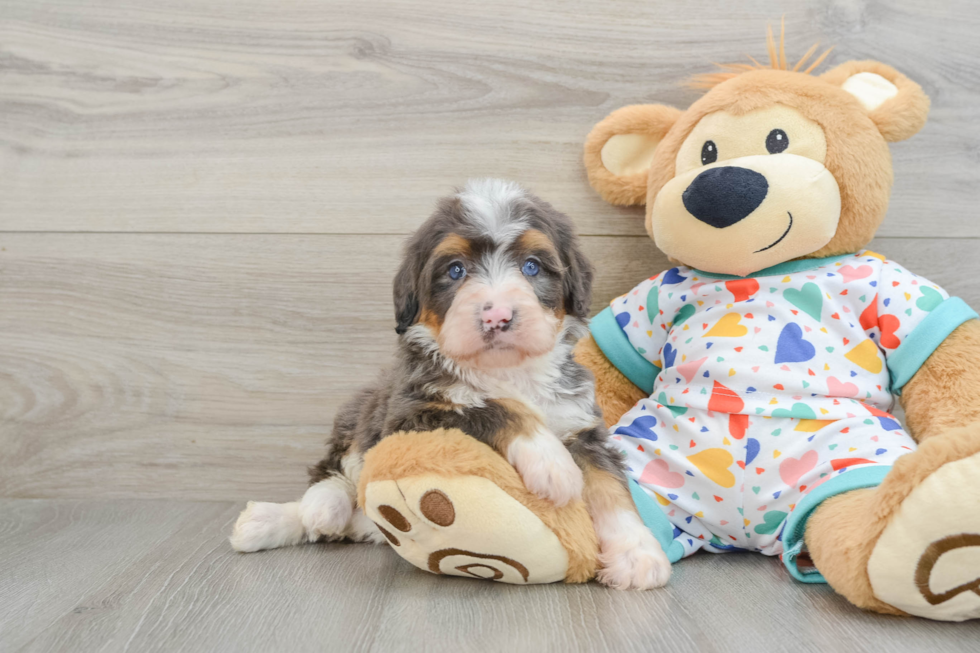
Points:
(768, 394)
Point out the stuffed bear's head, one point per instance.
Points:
(769, 165)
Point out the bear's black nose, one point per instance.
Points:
(723, 196)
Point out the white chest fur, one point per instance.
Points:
(565, 410)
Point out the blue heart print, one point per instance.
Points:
(623, 319)
(669, 355)
(672, 276)
(751, 450)
(791, 347)
(641, 427)
(889, 424)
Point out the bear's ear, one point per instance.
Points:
(896, 104)
(618, 151)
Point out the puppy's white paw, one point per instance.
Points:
(362, 529)
(629, 555)
(326, 508)
(267, 526)
(546, 467)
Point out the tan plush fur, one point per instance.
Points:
(902, 116)
(857, 153)
(942, 397)
(945, 392)
(653, 120)
(842, 532)
(453, 453)
(942, 401)
(614, 393)
(840, 536)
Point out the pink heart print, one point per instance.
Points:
(657, 473)
(690, 368)
(791, 470)
(853, 274)
(837, 388)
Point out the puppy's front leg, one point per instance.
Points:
(542, 460)
(546, 467)
(629, 555)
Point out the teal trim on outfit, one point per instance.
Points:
(655, 520)
(616, 346)
(918, 346)
(786, 267)
(856, 479)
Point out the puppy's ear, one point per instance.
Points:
(577, 283)
(620, 149)
(407, 307)
(896, 104)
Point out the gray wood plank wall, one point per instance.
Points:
(202, 204)
(201, 210)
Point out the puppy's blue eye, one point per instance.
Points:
(531, 268)
(456, 271)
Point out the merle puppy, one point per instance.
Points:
(490, 299)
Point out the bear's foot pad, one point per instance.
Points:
(927, 560)
(465, 526)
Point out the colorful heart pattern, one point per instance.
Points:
(728, 327)
(823, 334)
(769, 387)
(791, 347)
(808, 299)
(657, 473)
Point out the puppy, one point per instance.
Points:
(490, 299)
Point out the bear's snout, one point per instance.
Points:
(725, 195)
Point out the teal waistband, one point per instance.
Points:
(655, 520)
(856, 479)
(616, 346)
(918, 346)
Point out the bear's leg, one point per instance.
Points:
(450, 504)
(911, 545)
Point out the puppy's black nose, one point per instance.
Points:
(723, 196)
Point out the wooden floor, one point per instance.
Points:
(201, 209)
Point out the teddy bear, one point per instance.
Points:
(749, 388)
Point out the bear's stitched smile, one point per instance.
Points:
(785, 233)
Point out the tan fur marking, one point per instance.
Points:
(453, 453)
(534, 240)
(604, 492)
(614, 393)
(524, 420)
(430, 320)
(453, 244)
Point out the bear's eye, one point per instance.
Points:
(777, 141)
(709, 152)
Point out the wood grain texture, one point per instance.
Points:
(201, 210)
(339, 116)
(131, 365)
(204, 366)
(160, 576)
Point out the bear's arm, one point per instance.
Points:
(614, 393)
(945, 392)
